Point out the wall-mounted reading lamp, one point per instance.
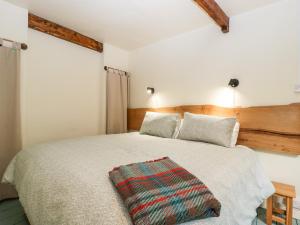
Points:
(150, 90)
(234, 83)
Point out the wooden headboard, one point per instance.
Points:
(270, 128)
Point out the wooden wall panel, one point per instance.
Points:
(276, 119)
(287, 144)
(270, 128)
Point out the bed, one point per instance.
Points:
(67, 182)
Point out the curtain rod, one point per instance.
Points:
(22, 46)
(107, 67)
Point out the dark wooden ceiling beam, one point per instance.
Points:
(56, 30)
(216, 13)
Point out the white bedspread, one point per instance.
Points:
(66, 182)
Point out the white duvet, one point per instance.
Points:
(67, 183)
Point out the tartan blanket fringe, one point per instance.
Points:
(161, 192)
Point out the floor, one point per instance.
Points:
(12, 213)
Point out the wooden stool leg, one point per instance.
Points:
(269, 210)
(289, 211)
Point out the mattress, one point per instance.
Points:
(67, 182)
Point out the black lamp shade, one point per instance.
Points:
(150, 90)
(234, 83)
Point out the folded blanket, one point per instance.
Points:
(161, 192)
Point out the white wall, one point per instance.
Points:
(63, 85)
(61, 89)
(194, 68)
(115, 57)
(260, 50)
(13, 22)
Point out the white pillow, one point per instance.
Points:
(235, 134)
(210, 129)
(178, 127)
(160, 124)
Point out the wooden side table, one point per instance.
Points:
(288, 192)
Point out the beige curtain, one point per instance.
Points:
(10, 132)
(116, 102)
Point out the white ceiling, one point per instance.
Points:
(130, 24)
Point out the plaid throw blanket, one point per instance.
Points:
(161, 192)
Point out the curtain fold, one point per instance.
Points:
(116, 102)
(10, 126)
